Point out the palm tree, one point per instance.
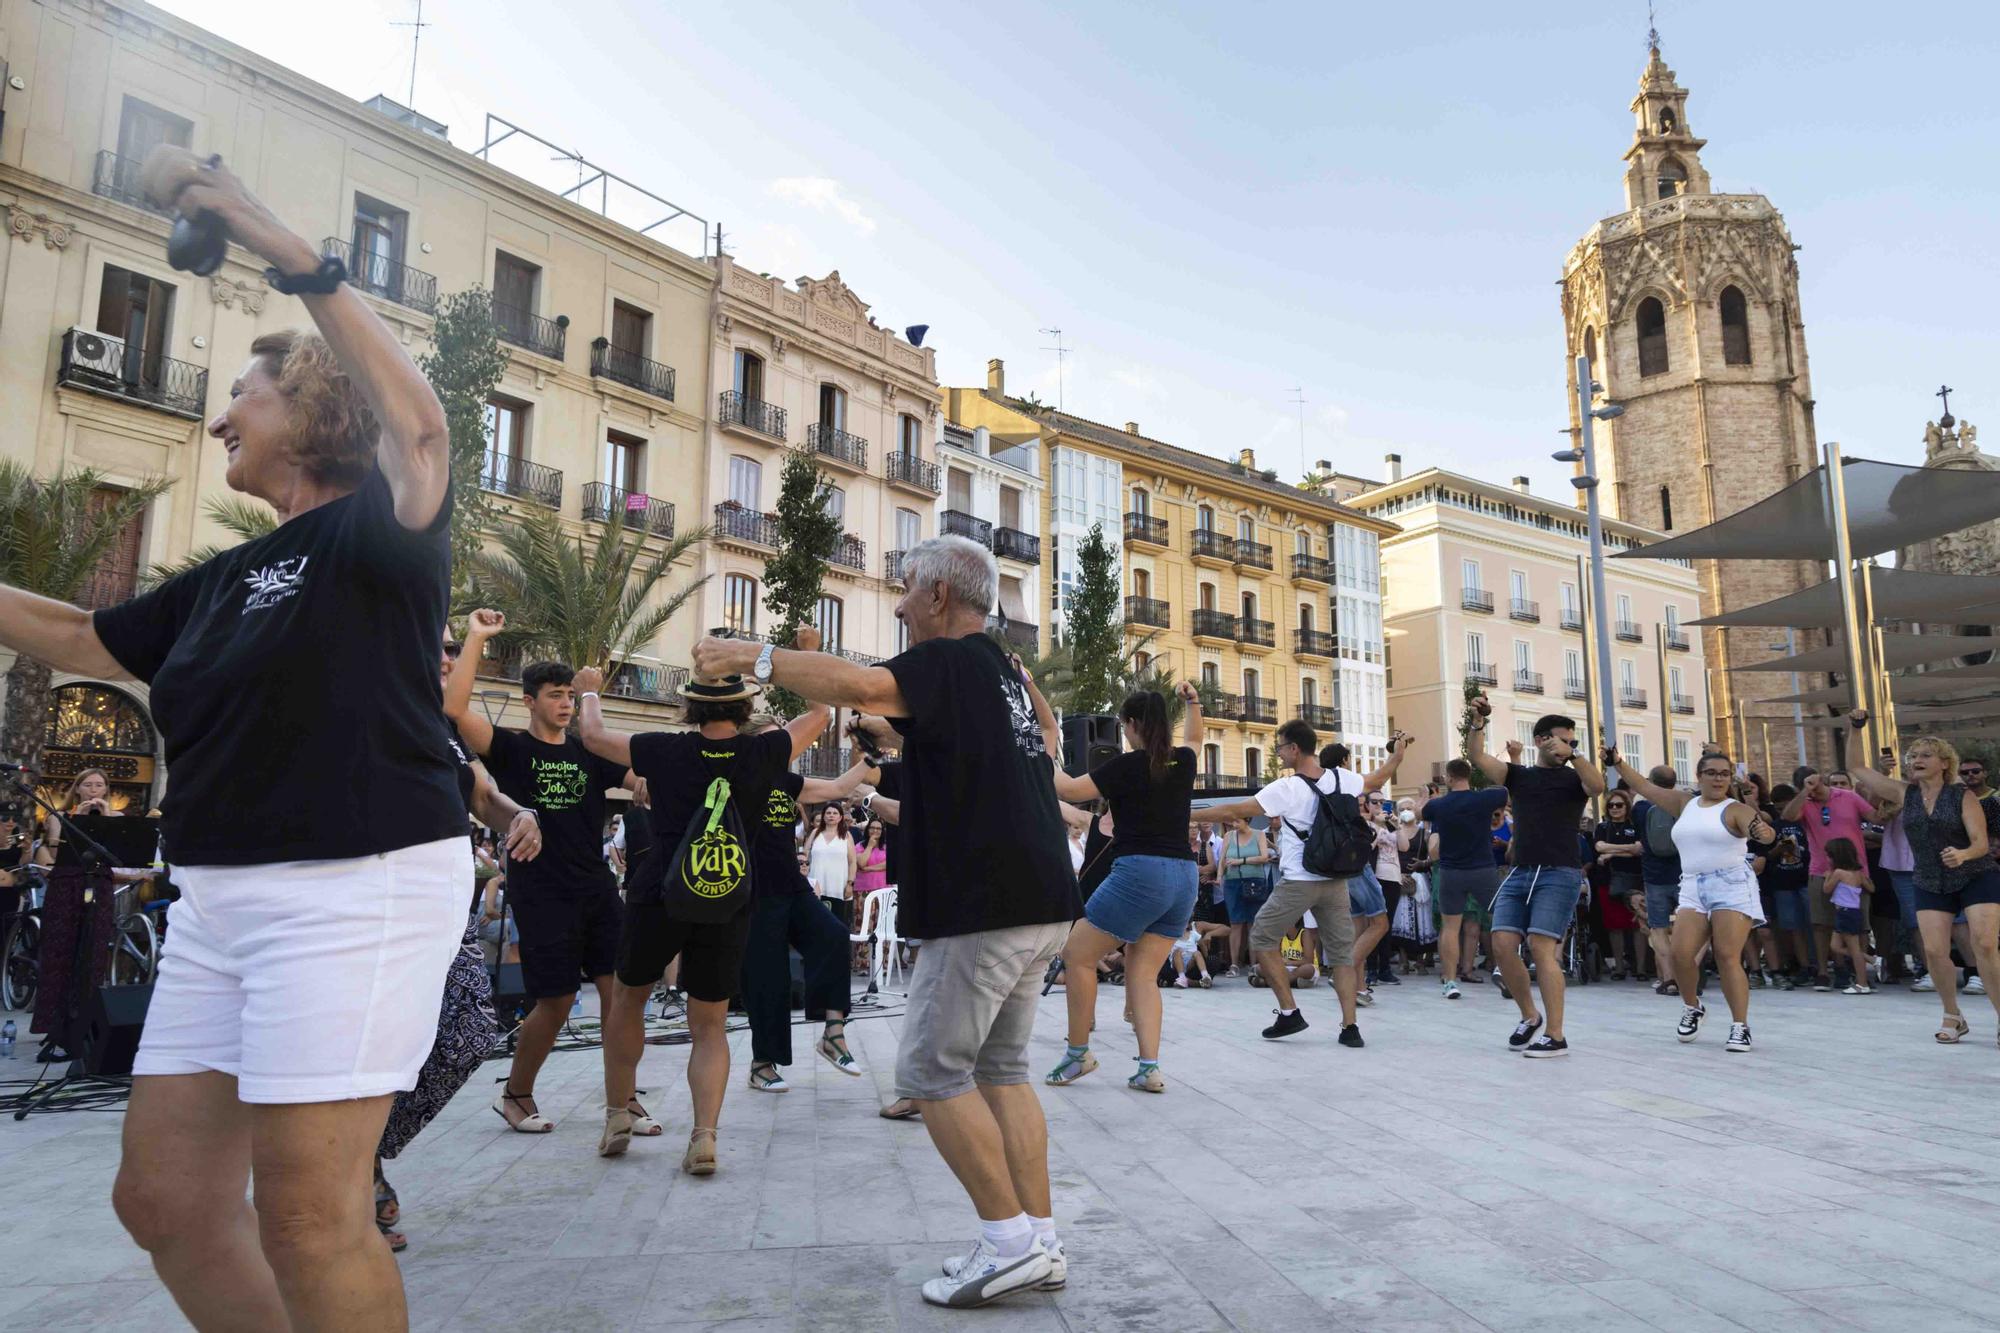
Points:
(581, 601)
(53, 536)
(244, 518)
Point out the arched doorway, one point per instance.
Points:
(99, 726)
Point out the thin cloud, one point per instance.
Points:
(822, 194)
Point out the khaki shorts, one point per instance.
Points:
(972, 1008)
(1819, 902)
(1326, 899)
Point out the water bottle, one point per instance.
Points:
(7, 1032)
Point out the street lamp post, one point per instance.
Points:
(1586, 482)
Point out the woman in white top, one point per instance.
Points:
(1718, 890)
(831, 861)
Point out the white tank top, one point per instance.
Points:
(828, 866)
(1704, 841)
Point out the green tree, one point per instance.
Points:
(808, 534)
(1094, 627)
(53, 535)
(464, 364)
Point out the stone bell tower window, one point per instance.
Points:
(1673, 178)
(1735, 328)
(1652, 327)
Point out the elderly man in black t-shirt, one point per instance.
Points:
(984, 880)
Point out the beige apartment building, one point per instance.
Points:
(1482, 584)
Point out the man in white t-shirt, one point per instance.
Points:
(1292, 806)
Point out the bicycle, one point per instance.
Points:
(134, 948)
(20, 959)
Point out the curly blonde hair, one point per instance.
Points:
(334, 430)
(1946, 752)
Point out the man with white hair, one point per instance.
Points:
(984, 880)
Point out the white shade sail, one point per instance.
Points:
(1903, 689)
(1900, 595)
(1898, 651)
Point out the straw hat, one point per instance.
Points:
(721, 690)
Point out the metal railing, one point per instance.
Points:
(1320, 717)
(1218, 781)
(735, 523)
(1527, 682)
(1629, 697)
(1212, 624)
(118, 178)
(1256, 555)
(751, 414)
(1571, 617)
(954, 523)
(504, 474)
(822, 761)
(1259, 633)
(851, 553)
(913, 471)
(525, 328)
(1475, 599)
(1145, 528)
(1630, 632)
(1677, 640)
(1312, 643)
(1575, 689)
(100, 364)
(656, 684)
(1258, 709)
(1681, 703)
(621, 365)
(1213, 544)
(1485, 673)
(379, 275)
(1017, 632)
(1148, 611)
(1228, 707)
(892, 566)
(838, 445)
(603, 501)
(1316, 568)
(1013, 544)
(1520, 608)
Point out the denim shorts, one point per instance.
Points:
(1144, 895)
(1731, 889)
(1661, 900)
(1242, 898)
(1849, 921)
(1789, 909)
(1364, 894)
(1538, 900)
(1983, 887)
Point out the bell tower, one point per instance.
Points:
(1686, 305)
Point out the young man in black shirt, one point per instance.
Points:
(1540, 894)
(984, 880)
(565, 901)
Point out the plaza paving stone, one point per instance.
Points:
(1844, 1175)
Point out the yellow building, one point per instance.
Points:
(1269, 593)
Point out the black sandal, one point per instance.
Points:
(385, 1200)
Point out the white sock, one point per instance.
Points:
(1045, 1230)
(1011, 1237)
(1288, 1012)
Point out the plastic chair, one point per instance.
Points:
(888, 954)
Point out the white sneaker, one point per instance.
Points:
(1924, 984)
(1975, 986)
(1739, 1038)
(1058, 1267)
(982, 1276)
(1365, 998)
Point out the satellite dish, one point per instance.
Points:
(915, 333)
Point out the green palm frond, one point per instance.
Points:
(247, 519)
(55, 532)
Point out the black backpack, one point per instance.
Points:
(708, 880)
(1340, 842)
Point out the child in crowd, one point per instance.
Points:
(1846, 882)
(1188, 949)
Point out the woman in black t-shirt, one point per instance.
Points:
(1146, 898)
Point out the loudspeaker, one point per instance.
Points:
(510, 993)
(112, 1022)
(1089, 739)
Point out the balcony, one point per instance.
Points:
(751, 414)
(1013, 544)
(1259, 711)
(1312, 643)
(1148, 611)
(100, 364)
(892, 566)
(603, 503)
(1482, 673)
(504, 474)
(1311, 569)
(1256, 633)
(1226, 707)
(849, 451)
(1571, 617)
(525, 328)
(1681, 703)
(118, 178)
(745, 527)
(1629, 632)
(1253, 555)
(954, 523)
(1527, 682)
(1218, 782)
(1628, 697)
(1216, 547)
(851, 553)
(1520, 608)
(1677, 640)
(623, 366)
(1574, 688)
(1212, 625)
(1475, 599)
(653, 684)
(822, 761)
(1320, 717)
(1146, 530)
(379, 275)
(1023, 636)
(913, 473)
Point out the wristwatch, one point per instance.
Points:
(763, 670)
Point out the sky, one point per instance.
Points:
(1225, 206)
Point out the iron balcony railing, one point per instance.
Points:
(1520, 608)
(1215, 545)
(735, 523)
(1212, 625)
(525, 328)
(1312, 643)
(1219, 781)
(1255, 555)
(910, 470)
(1629, 631)
(603, 502)
(838, 445)
(1629, 697)
(1475, 599)
(1571, 617)
(1017, 632)
(851, 553)
(1013, 544)
(1148, 611)
(752, 414)
(656, 684)
(1574, 688)
(822, 761)
(621, 365)
(1145, 528)
(118, 178)
(504, 474)
(1484, 673)
(1681, 703)
(1258, 709)
(100, 364)
(957, 524)
(379, 275)
(892, 566)
(1228, 707)
(1320, 717)
(1260, 633)
(1527, 682)
(857, 657)
(1316, 568)
(1677, 640)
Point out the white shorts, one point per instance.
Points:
(1733, 889)
(308, 981)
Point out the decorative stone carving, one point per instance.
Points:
(777, 347)
(723, 323)
(25, 226)
(226, 293)
(833, 294)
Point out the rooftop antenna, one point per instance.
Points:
(416, 39)
(1299, 400)
(1061, 352)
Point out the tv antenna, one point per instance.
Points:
(1299, 401)
(1061, 352)
(416, 28)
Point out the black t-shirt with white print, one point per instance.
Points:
(983, 845)
(564, 785)
(295, 684)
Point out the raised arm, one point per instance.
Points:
(820, 790)
(1492, 766)
(1591, 775)
(1191, 701)
(1669, 799)
(1045, 718)
(1881, 790)
(808, 727)
(590, 729)
(56, 633)
(1797, 805)
(821, 677)
(1398, 745)
(480, 627)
